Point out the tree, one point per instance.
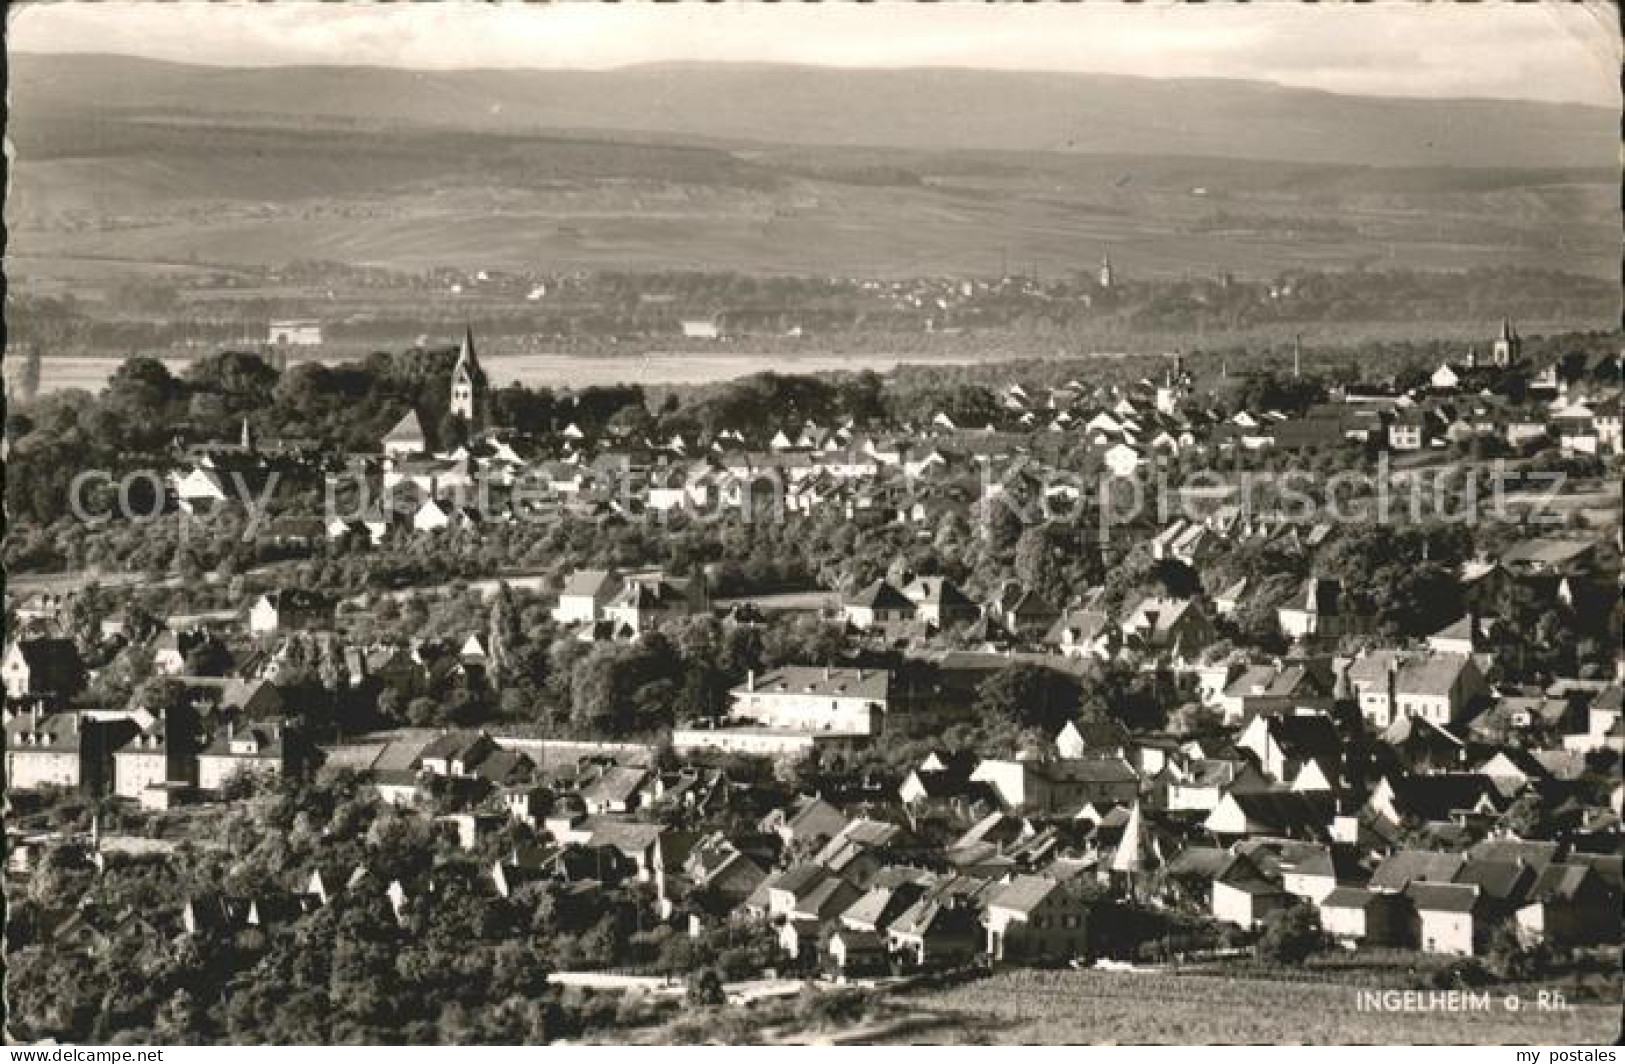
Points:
(28, 381)
(1028, 695)
(705, 988)
(1290, 935)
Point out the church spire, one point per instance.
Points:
(468, 382)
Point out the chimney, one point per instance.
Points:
(231, 730)
(750, 680)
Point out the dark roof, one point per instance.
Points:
(1443, 897)
(1347, 898)
(881, 594)
(1401, 869)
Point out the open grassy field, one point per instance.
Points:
(1082, 1007)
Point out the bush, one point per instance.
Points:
(705, 988)
(1290, 935)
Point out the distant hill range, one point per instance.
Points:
(921, 109)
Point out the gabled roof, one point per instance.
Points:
(407, 430)
(1348, 898)
(1023, 894)
(1399, 870)
(48, 655)
(1304, 735)
(882, 904)
(882, 594)
(1318, 595)
(937, 591)
(1502, 881)
(589, 583)
(1285, 812)
(1443, 897)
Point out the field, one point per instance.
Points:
(1083, 1007)
(193, 170)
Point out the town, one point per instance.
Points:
(384, 701)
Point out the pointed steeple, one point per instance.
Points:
(247, 436)
(468, 382)
(1131, 855)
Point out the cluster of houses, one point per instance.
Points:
(1411, 838)
(1405, 790)
(908, 474)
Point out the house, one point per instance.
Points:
(849, 951)
(1097, 739)
(1031, 918)
(1420, 746)
(407, 438)
(171, 649)
(1438, 798)
(1276, 814)
(1084, 633)
(1439, 688)
(1312, 870)
(1400, 869)
(1409, 430)
(806, 889)
(939, 602)
(1449, 917)
(1203, 783)
(1023, 611)
(1358, 915)
(807, 820)
(1159, 626)
(1244, 895)
(1570, 905)
(1322, 426)
(1059, 785)
(1226, 602)
(585, 595)
(878, 605)
(1285, 745)
(1278, 688)
(947, 791)
(882, 904)
(67, 750)
(940, 930)
(618, 790)
(715, 865)
(43, 667)
(259, 752)
(645, 603)
(156, 765)
(1319, 610)
(290, 609)
(863, 847)
(820, 699)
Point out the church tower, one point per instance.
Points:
(468, 384)
(1106, 270)
(1509, 345)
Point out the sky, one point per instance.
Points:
(1549, 50)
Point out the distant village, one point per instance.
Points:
(1240, 735)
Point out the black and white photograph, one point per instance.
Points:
(812, 524)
